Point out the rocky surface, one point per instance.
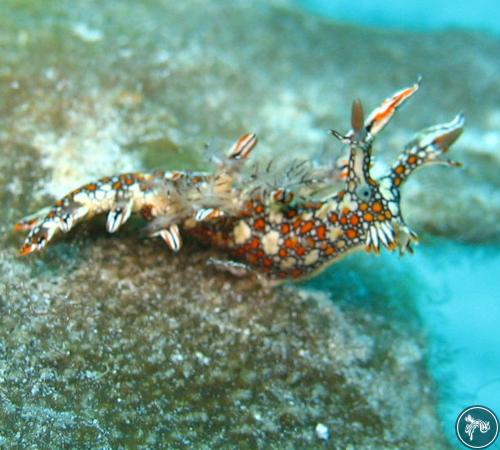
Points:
(109, 342)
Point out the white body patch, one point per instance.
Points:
(242, 232)
(275, 217)
(385, 189)
(270, 242)
(287, 263)
(311, 258)
(325, 209)
(347, 202)
(335, 233)
(393, 208)
(100, 194)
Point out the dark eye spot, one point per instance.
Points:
(363, 192)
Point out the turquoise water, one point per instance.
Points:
(422, 15)
(461, 309)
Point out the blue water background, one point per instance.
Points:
(482, 15)
(461, 309)
(459, 284)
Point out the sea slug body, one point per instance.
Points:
(282, 223)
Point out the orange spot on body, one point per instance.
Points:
(291, 213)
(333, 218)
(251, 258)
(354, 220)
(285, 228)
(307, 227)
(400, 169)
(321, 232)
(296, 273)
(259, 209)
(268, 262)
(397, 181)
(412, 159)
(282, 253)
(330, 251)
(255, 243)
(377, 207)
(368, 217)
(297, 223)
(291, 242)
(388, 214)
(260, 224)
(351, 233)
(117, 186)
(363, 206)
(300, 251)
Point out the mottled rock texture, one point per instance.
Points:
(113, 342)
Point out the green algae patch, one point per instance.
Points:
(166, 154)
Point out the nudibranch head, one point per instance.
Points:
(382, 220)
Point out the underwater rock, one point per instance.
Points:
(117, 344)
(113, 341)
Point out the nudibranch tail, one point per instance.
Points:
(117, 196)
(166, 199)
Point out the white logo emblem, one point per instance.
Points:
(477, 427)
(473, 424)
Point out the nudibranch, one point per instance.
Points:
(281, 223)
